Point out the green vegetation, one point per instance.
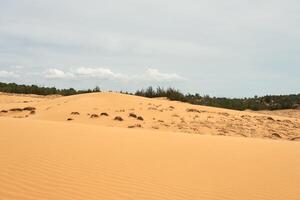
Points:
(34, 89)
(269, 102)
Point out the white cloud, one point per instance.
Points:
(156, 75)
(8, 74)
(54, 73)
(106, 73)
(97, 73)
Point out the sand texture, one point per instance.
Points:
(119, 110)
(172, 151)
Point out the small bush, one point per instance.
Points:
(140, 118)
(135, 126)
(132, 115)
(75, 113)
(276, 135)
(16, 110)
(29, 108)
(118, 118)
(193, 110)
(104, 114)
(94, 116)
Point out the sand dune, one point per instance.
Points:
(294, 113)
(114, 146)
(156, 114)
(59, 160)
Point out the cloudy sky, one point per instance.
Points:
(223, 48)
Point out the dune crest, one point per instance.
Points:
(115, 147)
(120, 110)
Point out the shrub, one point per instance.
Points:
(75, 113)
(118, 118)
(29, 108)
(132, 115)
(16, 110)
(94, 116)
(104, 114)
(140, 118)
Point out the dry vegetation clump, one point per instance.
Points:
(193, 110)
(270, 118)
(225, 114)
(29, 108)
(295, 139)
(4, 111)
(287, 121)
(276, 135)
(75, 113)
(32, 112)
(132, 115)
(135, 126)
(104, 114)
(16, 110)
(140, 118)
(118, 118)
(94, 116)
(70, 119)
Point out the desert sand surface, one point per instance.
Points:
(57, 160)
(63, 148)
(155, 114)
(294, 113)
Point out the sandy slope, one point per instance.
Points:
(294, 113)
(40, 159)
(158, 114)
(45, 156)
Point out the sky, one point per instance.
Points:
(232, 48)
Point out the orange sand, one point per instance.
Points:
(43, 156)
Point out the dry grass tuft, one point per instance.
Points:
(94, 116)
(75, 113)
(140, 118)
(135, 126)
(132, 115)
(104, 114)
(118, 118)
(29, 108)
(193, 110)
(16, 110)
(276, 135)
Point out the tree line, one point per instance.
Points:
(40, 90)
(268, 102)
